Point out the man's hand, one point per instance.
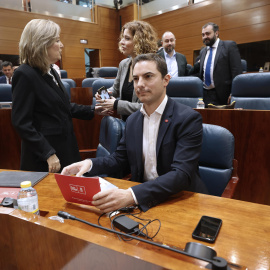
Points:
(112, 199)
(78, 168)
(53, 164)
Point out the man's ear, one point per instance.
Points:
(166, 79)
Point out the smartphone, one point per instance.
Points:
(102, 91)
(207, 229)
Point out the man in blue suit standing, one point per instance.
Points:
(161, 145)
(7, 69)
(219, 63)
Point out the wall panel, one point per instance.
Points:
(243, 34)
(243, 21)
(127, 13)
(253, 16)
(101, 35)
(232, 6)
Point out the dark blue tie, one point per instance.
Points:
(207, 77)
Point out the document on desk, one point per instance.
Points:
(81, 189)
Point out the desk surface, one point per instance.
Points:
(244, 238)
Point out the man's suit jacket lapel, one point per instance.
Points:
(162, 54)
(165, 122)
(178, 61)
(138, 142)
(219, 50)
(203, 54)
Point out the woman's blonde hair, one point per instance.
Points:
(144, 37)
(36, 37)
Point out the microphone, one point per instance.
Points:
(216, 263)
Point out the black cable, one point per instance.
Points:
(66, 215)
(129, 212)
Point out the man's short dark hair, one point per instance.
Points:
(153, 57)
(6, 64)
(215, 26)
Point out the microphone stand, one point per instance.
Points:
(217, 263)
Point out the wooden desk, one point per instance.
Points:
(251, 131)
(244, 238)
(249, 127)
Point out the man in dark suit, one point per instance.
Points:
(7, 69)
(161, 145)
(176, 62)
(219, 63)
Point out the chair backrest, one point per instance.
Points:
(185, 90)
(251, 91)
(108, 72)
(71, 82)
(5, 92)
(216, 159)
(99, 83)
(111, 130)
(67, 86)
(88, 82)
(63, 73)
(244, 65)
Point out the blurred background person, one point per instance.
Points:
(41, 111)
(160, 47)
(7, 69)
(137, 37)
(26, 5)
(1, 73)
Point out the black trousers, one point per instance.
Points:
(210, 96)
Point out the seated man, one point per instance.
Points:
(7, 69)
(161, 145)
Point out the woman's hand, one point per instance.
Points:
(97, 96)
(53, 164)
(106, 103)
(100, 111)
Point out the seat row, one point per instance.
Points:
(249, 91)
(103, 72)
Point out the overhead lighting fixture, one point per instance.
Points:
(83, 41)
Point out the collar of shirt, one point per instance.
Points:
(50, 73)
(7, 79)
(159, 109)
(167, 55)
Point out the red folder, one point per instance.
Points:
(78, 189)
